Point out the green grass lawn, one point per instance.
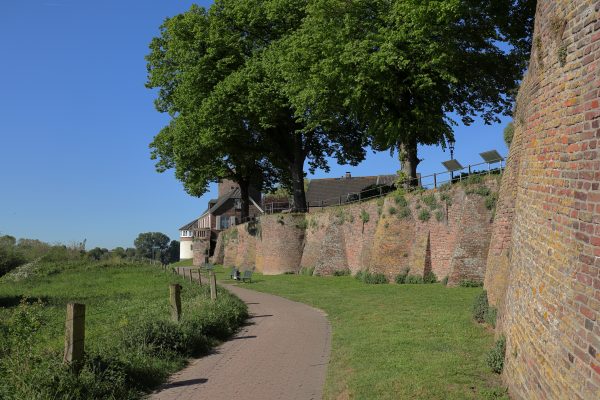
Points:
(395, 341)
(183, 263)
(128, 329)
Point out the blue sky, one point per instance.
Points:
(76, 121)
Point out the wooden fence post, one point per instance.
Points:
(74, 335)
(434, 180)
(199, 277)
(213, 286)
(175, 300)
(191, 278)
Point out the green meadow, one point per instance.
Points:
(395, 341)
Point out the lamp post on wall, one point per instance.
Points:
(451, 143)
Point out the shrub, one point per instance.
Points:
(343, 272)
(495, 358)
(445, 280)
(392, 210)
(307, 271)
(439, 216)
(400, 200)
(404, 213)
(414, 279)
(480, 307)
(375, 279)
(490, 201)
(371, 278)
(401, 277)
(10, 259)
(302, 224)
(481, 190)
(160, 338)
(470, 283)
(430, 277)
(490, 316)
(445, 197)
(364, 216)
(424, 215)
(430, 201)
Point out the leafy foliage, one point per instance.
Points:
(480, 307)
(495, 358)
(121, 362)
(401, 277)
(341, 272)
(152, 245)
(398, 68)
(470, 283)
(424, 215)
(364, 216)
(371, 278)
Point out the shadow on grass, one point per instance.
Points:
(13, 301)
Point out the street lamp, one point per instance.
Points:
(451, 143)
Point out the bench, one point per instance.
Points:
(247, 276)
(234, 273)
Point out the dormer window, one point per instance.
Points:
(237, 204)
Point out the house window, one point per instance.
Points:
(224, 223)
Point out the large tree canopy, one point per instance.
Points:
(405, 69)
(151, 244)
(231, 117)
(256, 89)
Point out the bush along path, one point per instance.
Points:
(131, 345)
(282, 353)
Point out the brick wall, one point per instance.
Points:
(370, 236)
(280, 243)
(543, 268)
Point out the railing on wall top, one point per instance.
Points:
(432, 181)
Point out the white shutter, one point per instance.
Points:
(232, 220)
(218, 221)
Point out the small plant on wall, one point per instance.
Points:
(424, 215)
(495, 358)
(364, 216)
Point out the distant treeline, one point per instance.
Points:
(148, 246)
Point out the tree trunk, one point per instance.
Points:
(409, 161)
(297, 173)
(245, 200)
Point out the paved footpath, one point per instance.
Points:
(282, 353)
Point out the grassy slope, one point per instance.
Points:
(117, 298)
(396, 341)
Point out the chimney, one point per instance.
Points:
(348, 175)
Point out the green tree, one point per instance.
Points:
(405, 69)
(151, 244)
(8, 241)
(118, 252)
(173, 252)
(97, 253)
(231, 117)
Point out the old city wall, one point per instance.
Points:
(543, 270)
(385, 235)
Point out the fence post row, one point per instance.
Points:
(175, 300)
(213, 285)
(74, 336)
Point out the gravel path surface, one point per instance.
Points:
(282, 353)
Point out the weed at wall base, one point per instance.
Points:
(371, 278)
(480, 307)
(495, 358)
